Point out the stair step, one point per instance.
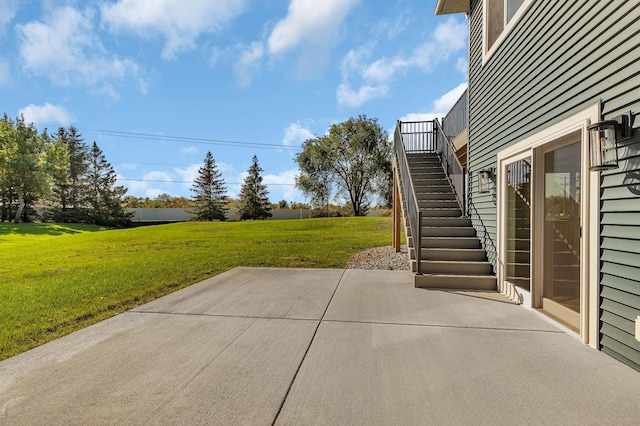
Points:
(448, 231)
(441, 212)
(433, 188)
(472, 255)
(460, 282)
(423, 196)
(445, 221)
(428, 173)
(451, 254)
(454, 267)
(438, 204)
(427, 169)
(443, 184)
(451, 242)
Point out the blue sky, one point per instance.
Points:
(159, 83)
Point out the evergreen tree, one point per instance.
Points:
(254, 200)
(71, 189)
(104, 198)
(210, 195)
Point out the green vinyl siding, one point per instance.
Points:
(558, 59)
(620, 254)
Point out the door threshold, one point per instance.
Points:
(559, 320)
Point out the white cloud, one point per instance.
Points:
(283, 185)
(351, 98)
(445, 102)
(462, 66)
(375, 77)
(178, 22)
(312, 27)
(441, 106)
(157, 176)
(245, 67)
(64, 48)
(309, 21)
(150, 185)
(189, 150)
(188, 175)
(8, 9)
(295, 135)
(46, 114)
(154, 192)
(384, 69)
(420, 116)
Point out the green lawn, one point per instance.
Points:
(55, 279)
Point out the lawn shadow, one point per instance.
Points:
(46, 228)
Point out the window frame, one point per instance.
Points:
(487, 51)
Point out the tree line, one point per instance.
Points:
(72, 180)
(75, 182)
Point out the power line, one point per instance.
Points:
(184, 139)
(189, 181)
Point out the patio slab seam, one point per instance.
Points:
(464, 327)
(196, 314)
(306, 352)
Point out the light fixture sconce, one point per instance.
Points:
(485, 177)
(603, 141)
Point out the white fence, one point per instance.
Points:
(143, 215)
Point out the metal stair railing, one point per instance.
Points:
(451, 165)
(417, 141)
(457, 119)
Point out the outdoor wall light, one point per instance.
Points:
(603, 141)
(485, 178)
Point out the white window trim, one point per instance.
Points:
(591, 219)
(486, 52)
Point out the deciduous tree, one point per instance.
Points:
(29, 163)
(354, 157)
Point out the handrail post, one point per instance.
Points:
(417, 135)
(418, 246)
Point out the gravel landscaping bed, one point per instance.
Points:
(384, 258)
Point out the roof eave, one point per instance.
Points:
(445, 7)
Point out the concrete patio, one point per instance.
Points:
(328, 347)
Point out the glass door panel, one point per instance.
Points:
(561, 288)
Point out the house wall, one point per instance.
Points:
(559, 59)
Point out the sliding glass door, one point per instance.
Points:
(561, 237)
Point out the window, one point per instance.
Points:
(499, 14)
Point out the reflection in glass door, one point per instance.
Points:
(518, 261)
(561, 288)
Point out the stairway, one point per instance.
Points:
(451, 255)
